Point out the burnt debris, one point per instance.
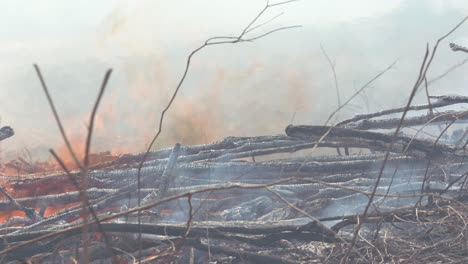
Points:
(288, 198)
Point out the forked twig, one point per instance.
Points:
(84, 167)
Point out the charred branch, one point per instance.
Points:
(401, 144)
(6, 132)
(442, 117)
(441, 101)
(456, 47)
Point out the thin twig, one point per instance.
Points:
(205, 190)
(428, 97)
(332, 66)
(85, 169)
(366, 85)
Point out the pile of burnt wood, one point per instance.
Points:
(266, 199)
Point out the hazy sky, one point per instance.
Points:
(243, 89)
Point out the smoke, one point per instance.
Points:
(244, 95)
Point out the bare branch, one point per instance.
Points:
(442, 101)
(456, 47)
(332, 66)
(57, 118)
(93, 115)
(366, 85)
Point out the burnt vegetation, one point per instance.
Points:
(394, 192)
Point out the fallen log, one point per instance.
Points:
(401, 144)
(261, 233)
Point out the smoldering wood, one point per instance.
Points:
(167, 176)
(101, 178)
(222, 171)
(350, 179)
(70, 214)
(99, 252)
(401, 143)
(254, 257)
(256, 233)
(205, 149)
(248, 149)
(29, 212)
(324, 186)
(9, 225)
(217, 229)
(288, 169)
(290, 190)
(260, 146)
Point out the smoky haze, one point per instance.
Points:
(244, 89)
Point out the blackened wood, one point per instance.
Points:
(6, 132)
(441, 102)
(336, 133)
(366, 124)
